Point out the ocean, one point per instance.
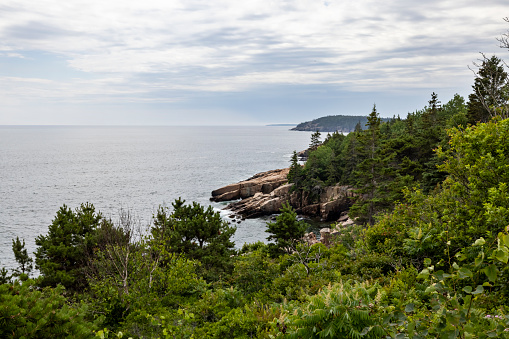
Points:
(135, 168)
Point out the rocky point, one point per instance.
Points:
(265, 193)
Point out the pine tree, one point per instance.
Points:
(286, 230)
(61, 254)
(5, 278)
(199, 233)
(25, 263)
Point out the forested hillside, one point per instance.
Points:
(427, 256)
(333, 123)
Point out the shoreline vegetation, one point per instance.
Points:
(425, 254)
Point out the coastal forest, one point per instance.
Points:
(335, 123)
(427, 256)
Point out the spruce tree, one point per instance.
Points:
(295, 173)
(315, 140)
(490, 92)
(431, 133)
(368, 171)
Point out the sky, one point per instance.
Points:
(230, 62)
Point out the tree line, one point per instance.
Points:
(385, 157)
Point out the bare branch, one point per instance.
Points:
(504, 39)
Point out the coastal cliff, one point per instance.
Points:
(265, 193)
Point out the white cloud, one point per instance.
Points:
(157, 50)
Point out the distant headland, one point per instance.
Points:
(332, 123)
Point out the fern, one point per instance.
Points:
(339, 311)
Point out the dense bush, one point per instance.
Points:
(29, 312)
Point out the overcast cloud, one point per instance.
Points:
(234, 62)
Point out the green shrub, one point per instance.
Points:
(27, 312)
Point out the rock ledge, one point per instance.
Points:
(265, 193)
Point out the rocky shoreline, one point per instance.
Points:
(265, 193)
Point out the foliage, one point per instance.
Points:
(22, 258)
(286, 230)
(295, 172)
(60, 254)
(491, 91)
(5, 278)
(254, 271)
(315, 140)
(367, 173)
(27, 312)
(341, 310)
(198, 233)
(477, 163)
(456, 294)
(132, 276)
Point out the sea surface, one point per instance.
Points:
(133, 168)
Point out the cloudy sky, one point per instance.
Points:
(230, 62)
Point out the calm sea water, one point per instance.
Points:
(135, 168)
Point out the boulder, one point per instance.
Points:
(343, 216)
(264, 182)
(230, 192)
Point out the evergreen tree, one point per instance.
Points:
(5, 278)
(29, 312)
(62, 253)
(295, 173)
(490, 95)
(315, 140)
(286, 230)
(368, 170)
(350, 157)
(199, 233)
(431, 133)
(25, 263)
(358, 127)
